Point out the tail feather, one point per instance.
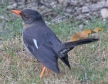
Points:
(65, 60)
(80, 42)
(70, 45)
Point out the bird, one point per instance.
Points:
(42, 43)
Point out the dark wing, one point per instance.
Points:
(44, 53)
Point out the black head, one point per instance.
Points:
(29, 16)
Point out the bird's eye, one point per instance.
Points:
(26, 17)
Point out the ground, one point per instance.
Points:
(89, 63)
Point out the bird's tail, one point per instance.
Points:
(79, 42)
(70, 45)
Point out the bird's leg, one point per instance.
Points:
(48, 71)
(42, 72)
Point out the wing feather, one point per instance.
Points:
(45, 54)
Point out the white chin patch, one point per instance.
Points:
(35, 42)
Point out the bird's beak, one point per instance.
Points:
(18, 12)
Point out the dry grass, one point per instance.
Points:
(18, 67)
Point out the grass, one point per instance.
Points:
(18, 67)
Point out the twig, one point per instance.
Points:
(48, 6)
(56, 20)
(59, 18)
(25, 55)
(85, 73)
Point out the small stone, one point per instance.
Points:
(78, 10)
(81, 26)
(80, 3)
(85, 9)
(74, 2)
(53, 4)
(21, 7)
(99, 5)
(106, 4)
(80, 16)
(69, 10)
(12, 6)
(64, 1)
(2, 17)
(104, 13)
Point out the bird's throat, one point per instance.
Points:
(26, 25)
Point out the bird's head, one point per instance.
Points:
(28, 15)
